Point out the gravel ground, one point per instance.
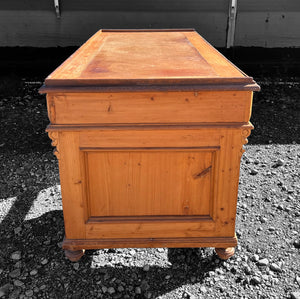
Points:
(266, 263)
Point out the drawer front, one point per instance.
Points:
(150, 107)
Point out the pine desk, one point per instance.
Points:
(149, 127)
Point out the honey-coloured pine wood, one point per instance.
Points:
(149, 128)
(174, 107)
(143, 58)
(225, 253)
(148, 182)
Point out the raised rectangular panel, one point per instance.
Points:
(151, 182)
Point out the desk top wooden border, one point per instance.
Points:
(68, 76)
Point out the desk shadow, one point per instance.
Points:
(44, 268)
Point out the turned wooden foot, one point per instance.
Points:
(74, 255)
(225, 253)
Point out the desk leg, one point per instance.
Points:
(74, 255)
(225, 253)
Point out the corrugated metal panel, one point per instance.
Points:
(34, 23)
(120, 5)
(268, 23)
(268, 5)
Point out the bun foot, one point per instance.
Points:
(74, 255)
(225, 253)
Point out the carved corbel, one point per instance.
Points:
(54, 137)
(245, 133)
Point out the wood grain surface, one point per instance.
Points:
(150, 107)
(149, 182)
(153, 55)
(146, 57)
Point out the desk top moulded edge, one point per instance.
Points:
(226, 76)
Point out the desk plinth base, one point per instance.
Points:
(224, 246)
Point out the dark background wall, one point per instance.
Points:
(267, 23)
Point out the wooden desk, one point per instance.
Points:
(149, 127)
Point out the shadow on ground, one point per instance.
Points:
(38, 241)
(42, 266)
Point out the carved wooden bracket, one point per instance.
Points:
(245, 133)
(54, 137)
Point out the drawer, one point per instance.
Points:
(150, 107)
